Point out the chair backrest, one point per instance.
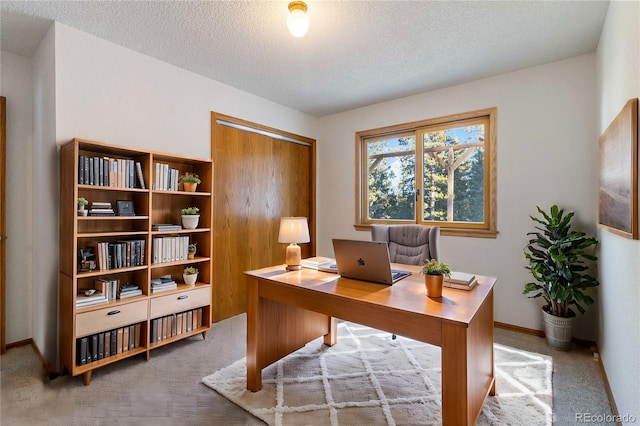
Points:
(409, 244)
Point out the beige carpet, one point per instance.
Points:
(368, 378)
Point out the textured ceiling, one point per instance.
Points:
(355, 53)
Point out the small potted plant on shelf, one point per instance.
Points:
(190, 181)
(82, 202)
(190, 217)
(190, 275)
(558, 259)
(434, 273)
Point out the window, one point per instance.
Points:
(434, 172)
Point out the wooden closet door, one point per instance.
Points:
(257, 180)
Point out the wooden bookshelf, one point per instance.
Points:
(152, 204)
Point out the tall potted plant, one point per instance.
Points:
(558, 261)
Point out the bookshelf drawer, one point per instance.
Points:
(178, 302)
(109, 318)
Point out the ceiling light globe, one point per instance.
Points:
(298, 21)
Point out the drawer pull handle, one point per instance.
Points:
(184, 296)
(114, 312)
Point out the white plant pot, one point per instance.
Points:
(190, 279)
(558, 331)
(190, 221)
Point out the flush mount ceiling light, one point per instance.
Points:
(298, 21)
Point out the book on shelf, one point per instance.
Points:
(90, 166)
(100, 345)
(154, 330)
(100, 205)
(81, 350)
(137, 329)
(125, 339)
(94, 348)
(89, 348)
(460, 280)
(165, 279)
(165, 227)
(107, 344)
(129, 287)
(166, 178)
(108, 286)
(128, 294)
(81, 160)
(140, 175)
(96, 298)
(112, 172)
(189, 320)
(119, 336)
(114, 342)
(178, 323)
(118, 254)
(170, 249)
(163, 287)
(129, 290)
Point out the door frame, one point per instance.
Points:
(3, 221)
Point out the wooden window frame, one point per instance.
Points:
(487, 229)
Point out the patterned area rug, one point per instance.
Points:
(368, 378)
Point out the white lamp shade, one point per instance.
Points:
(293, 230)
(298, 22)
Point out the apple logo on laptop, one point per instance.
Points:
(360, 262)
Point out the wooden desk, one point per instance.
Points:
(288, 309)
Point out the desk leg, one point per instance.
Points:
(454, 376)
(276, 328)
(331, 338)
(254, 370)
(467, 367)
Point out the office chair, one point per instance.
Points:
(409, 244)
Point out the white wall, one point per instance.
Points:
(17, 87)
(618, 64)
(90, 88)
(46, 194)
(547, 150)
(108, 93)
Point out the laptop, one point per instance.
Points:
(366, 260)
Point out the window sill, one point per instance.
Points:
(450, 232)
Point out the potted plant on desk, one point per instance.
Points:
(434, 273)
(556, 256)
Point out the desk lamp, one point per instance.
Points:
(293, 230)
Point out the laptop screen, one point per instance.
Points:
(366, 260)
